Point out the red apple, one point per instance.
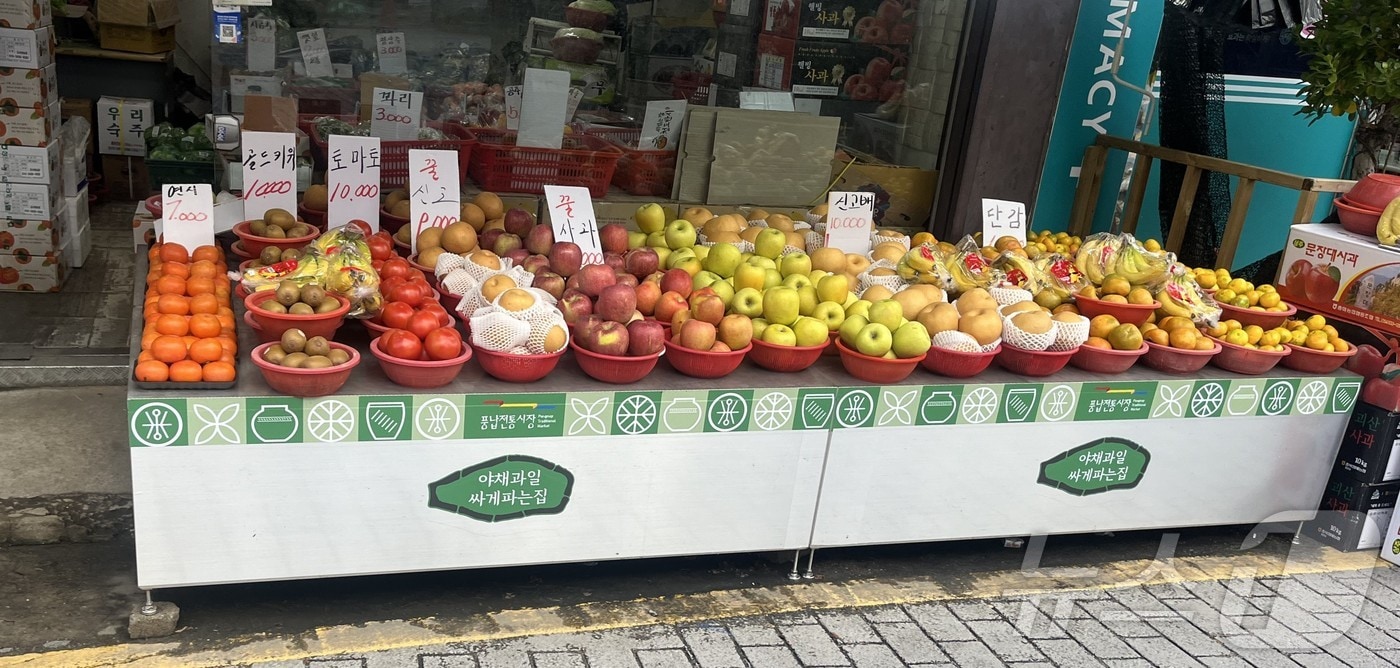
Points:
(707, 307)
(571, 283)
(890, 11)
(519, 222)
(488, 238)
(1321, 287)
(876, 34)
(575, 306)
(565, 258)
(648, 294)
(616, 303)
(613, 236)
(696, 335)
(506, 243)
(668, 305)
(593, 278)
(878, 70)
(647, 337)
(540, 239)
(614, 261)
(586, 327)
(515, 255)
(902, 34)
(654, 277)
(890, 89)
(627, 279)
(535, 263)
(678, 281)
(550, 282)
(1294, 283)
(735, 331)
(864, 92)
(641, 262)
(853, 81)
(680, 318)
(721, 347)
(608, 338)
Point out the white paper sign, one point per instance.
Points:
(661, 126)
(850, 220)
(262, 44)
(571, 216)
(435, 191)
(575, 97)
(393, 55)
(315, 52)
(188, 212)
(513, 95)
(396, 114)
(1002, 218)
(352, 181)
(544, 108)
(766, 100)
(269, 173)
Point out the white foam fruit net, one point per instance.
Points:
(1019, 338)
(789, 248)
(481, 273)
(1007, 296)
(458, 282)
(958, 341)
(473, 299)
(815, 239)
(814, 219)
(517, 332)
(541, 323)
(877, 239)
(865, 280)
(991, 346)
(1071, 334)
(448, 263)
(744, 246)
(498, 330)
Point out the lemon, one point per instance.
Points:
(1269, 338)
(1225, 296)
(1237, 337)
(1254, 332)
(1317, 340)
(1316, 322)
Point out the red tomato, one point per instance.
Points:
(377, 264)
(444, 319)
(359, 226)
(380, 248)
(443, 343)
(422, 323)
(396, 266)
(386, 285)
(409, 293)
(401, 344)
(396, 315)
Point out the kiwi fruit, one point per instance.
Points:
(293, 340)
(290, 254)
(301, 308)
(295, 360)
(317, 345)
(313, 295)
(318, 362)
(328, 305)
(274, 306)
(280, 218)
(275, 354)
(257, 227)
(288, 293)
(274, 232)
(270, 255)
(301, 230)
(339, 356)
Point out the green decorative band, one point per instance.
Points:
(429, 417)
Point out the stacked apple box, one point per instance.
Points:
(1361, 496)
(835, 49)
(31, 190)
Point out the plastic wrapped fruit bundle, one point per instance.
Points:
(970, 269)
(520, 321)
(339, 260)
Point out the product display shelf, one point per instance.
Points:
(244, 485)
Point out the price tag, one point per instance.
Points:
(396, 114)
(315, 52)
(262, 44)
(435, 191)
(352, 180)
(542, 120)
(661, 126)
(513, 96)
(393, 56)
(269, 173)
(188, 212)
(765, 100)
(571, 216)
(850, 220)
(1002, 218)
(575, 97)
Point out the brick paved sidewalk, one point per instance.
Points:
(1349, 618)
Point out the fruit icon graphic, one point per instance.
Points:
(9, 275)
(7, 240)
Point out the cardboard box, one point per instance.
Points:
(36, 127)
(1328, 270)
(30, 201)
(136, 39)
(29, 88)
(1353, 516)
(1390, 542)
(1368, 453)
(829, 69)
(868, 21)
(126, 177)
(31, 164)
(903, 195)
(33, 237)
(121, 125)
(26, 49)
(743, 156)
(26, 14)
(21, 272)
(143, 228)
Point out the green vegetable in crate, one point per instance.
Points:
(577, 45)
(431, 134)
(204, 156)
(198, 130)
(164, 153)
(162, 133)
(330, 125)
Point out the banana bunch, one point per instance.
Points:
(339, 260)
(1388, 229)
(1021, 272)
(924, 264)
(1098, 256)
(968, 270)
(1062, 277)
(1182, 296)
(1139, 265)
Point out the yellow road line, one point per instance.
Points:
(690, 608)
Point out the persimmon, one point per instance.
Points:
(169, 349)
(174, 253)
(204, 269)
(170, 285)
(206, 350)
(205, 325)
(152, 371)
(208, 304)
(186, 371)
(219, 372)
(206, 252)
(175, 269)
(173, 325)
(199, 286)
(173, 305)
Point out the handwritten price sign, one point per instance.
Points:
(315, 53)
(397, 114)
(571, 216)
(262, 44)
(513, 96)
(269, 173)
(1002, 218)
(850, 220)
(435, 191)
(393, 56)
(352, 180)
(188, 212)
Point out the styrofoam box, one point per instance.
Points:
(77, 247)
(79, 214)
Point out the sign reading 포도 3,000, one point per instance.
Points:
(506, 488)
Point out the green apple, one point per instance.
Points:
(910, 340)
(636, 239)
(851, 328)
(650, 218)
(779, 335)
(672, 257)
(701, 252)
(781, 305)
(886, 312)
(834, 288)
(810, 332)
(680, 234)
(874, 340)
(723, 259)
(657, 240)
(860, 307)
(704, 279)
(770, 243)
(817, 275)
(851, 298)
(796, 280)
(807, 300)
(662, 255)
(830, 313)
(750, 276)
(771, 278)
(725, 290)
(760, 261)
(759, 324)
(795, 263)
(747, 301)
(690, 265)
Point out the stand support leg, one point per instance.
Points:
(808, 574)
(152, 619)
(793, 574)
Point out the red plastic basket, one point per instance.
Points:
(299, 382)
(501, 166)
(640, 171)
(393, 155)
(1308, 360)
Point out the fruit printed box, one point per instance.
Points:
(867, 72)
(1334, 272)
(23, 272)
(32, 237)
(868, 21)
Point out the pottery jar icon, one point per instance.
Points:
(274, 423)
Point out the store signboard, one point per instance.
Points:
(571, 215)
(513, 95)
(1003, 218)
(352, 180)
(262, 44)
(188, 212)
(661, 125)
(269, 172)
(315, 52)
(850, 221)
(393, 55)
(506, 488)
(397, 114)
(1093, 468)
(542, 119)
(435, 191)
